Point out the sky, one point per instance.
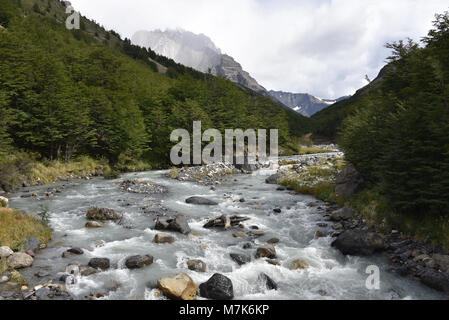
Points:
(321, 47)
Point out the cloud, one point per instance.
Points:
(323, 47)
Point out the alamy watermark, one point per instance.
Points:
(250, 146)
(373, 280)
(73, 20)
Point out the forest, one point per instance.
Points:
(71, 93)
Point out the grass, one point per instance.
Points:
(16, 227)
(50, 171)
(373, 206)
(312, 150)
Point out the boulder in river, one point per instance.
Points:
(94, 224)
(218, 287)
(138, 261)
(240, 259)
(348, 182)
(100, 263)
(273, 241)
(5, 252)
(19, 260)
(434, 279)
(201, 201)
(180, 287)
(266, 251)
(275, 178)
(240, 235)
(359, 243)
(177, 224)
(102, 214)
(299, 264)
(225, 222)
(269, 283)
(345, 213)
(163, 238)
(441, 262)
(196, 265)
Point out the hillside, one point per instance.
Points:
(67, 93)
(327, 122)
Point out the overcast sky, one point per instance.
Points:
(322, 47)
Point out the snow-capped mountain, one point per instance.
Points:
(196, 51)
(303, 103)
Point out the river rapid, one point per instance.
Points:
(330, 275)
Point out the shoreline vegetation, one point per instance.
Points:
(320, 180)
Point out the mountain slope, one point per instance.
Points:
(197, 52)
(303, 103)
(68, 93)
(327, 122)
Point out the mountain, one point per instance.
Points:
(303, 103)
(198, 52)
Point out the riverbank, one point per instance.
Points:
(363, 226)
(265, 241)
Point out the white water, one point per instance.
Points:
(330, 276)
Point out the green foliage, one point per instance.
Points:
(64, 93)
(400, 139)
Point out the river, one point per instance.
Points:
(330, 275)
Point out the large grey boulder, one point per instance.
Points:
(19, 260)
(275, 178)
(359, 243)
(434, 279)
(102, 214)
(345, 213)
(201, 201)
(177, 224)
(218, 287)
(348, 182)
(137, 262)
(100, 263)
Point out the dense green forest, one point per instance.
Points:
(66, 93)
(399, 139)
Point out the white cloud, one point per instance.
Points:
(323, 47)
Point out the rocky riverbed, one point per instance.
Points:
(155, 235)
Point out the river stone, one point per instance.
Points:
(5, 252)
(299, 264)
(180, 287)
(441, 262)
(359, 243)
(43, 294)
(137, 262)
(266, 251)
(275, 178)
(19, 260)
(240, 235)
(434, 279)
(177, 224)
(267, 281)
(94, 224)
(342, 214)
(32, 244)
(100, 263)
(86, 271)
(196, 265)
(348, 182)
(201, 201)
(218, 287)
(3, 202)
(241, 259)
(273, 241)
(163, 238)
(102, 214)
(76, 251)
